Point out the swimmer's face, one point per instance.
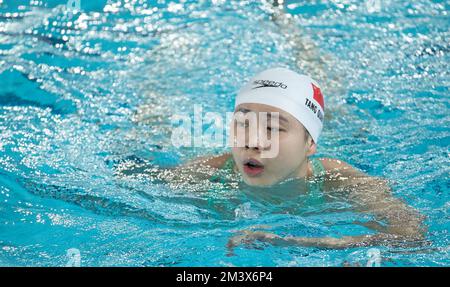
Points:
(294, 145)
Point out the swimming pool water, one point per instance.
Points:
(82, 92)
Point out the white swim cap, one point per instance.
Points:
(299, 95)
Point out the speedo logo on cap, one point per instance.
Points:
(268, 84)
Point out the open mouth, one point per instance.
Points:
(253, 167)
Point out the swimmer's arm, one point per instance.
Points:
(248, 237)
(196, 170)
(209, 161)
(190, 172)
(373, 195)
(370, 195)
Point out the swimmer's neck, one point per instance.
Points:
(303, 171)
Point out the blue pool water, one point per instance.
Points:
(82, 92)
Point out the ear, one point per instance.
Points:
(311, 147)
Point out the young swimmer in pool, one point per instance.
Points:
(300, 106)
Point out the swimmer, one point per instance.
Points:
(300, 106)
(301, 110)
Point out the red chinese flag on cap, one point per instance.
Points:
(318, 96)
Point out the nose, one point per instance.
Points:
(258, 144)
(248, 147)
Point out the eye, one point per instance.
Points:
(242, 124)
(274, 129)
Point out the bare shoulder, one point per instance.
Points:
(342, 173)
(216, 161)
(333, 165)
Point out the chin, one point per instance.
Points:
(258, 182)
